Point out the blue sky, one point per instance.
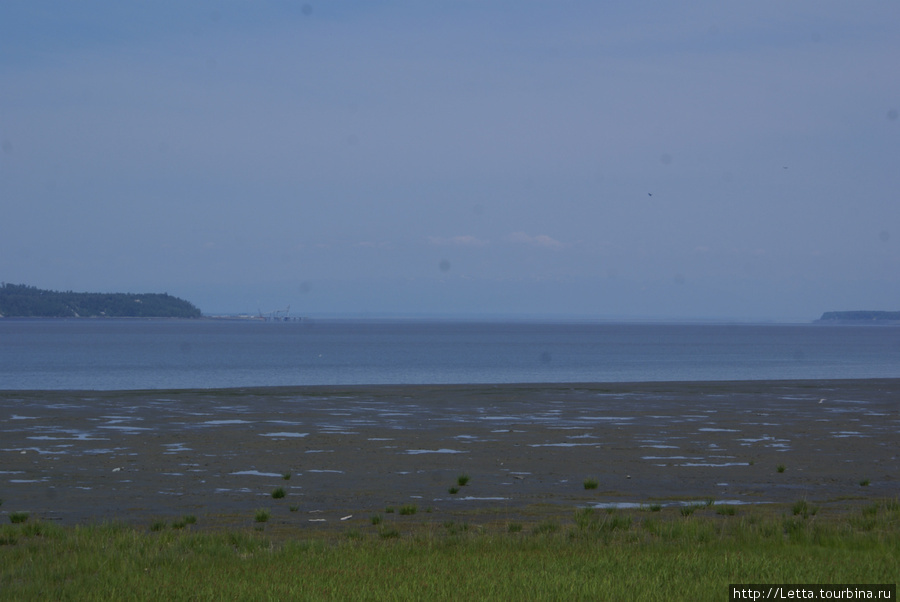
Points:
(649, 160)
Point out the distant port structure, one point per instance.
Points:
(277, 315)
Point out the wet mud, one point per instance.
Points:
(87, 456)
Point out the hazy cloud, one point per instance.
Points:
(540, 240)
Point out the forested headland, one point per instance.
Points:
(860, 316)
(22, 301)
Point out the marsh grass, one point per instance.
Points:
(453, 490)
(388, 532)
(780, 468)
(864, 483)
(262, 515)
(689, 509)
(804, 509)
(278, 493)
(462, 480)
(18, 517)
(286, 476)
(726, 510)
(591, 483)
(408, 510)
(580, 555)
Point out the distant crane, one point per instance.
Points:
(276, 315)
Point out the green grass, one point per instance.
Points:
(591, 483)
(262, 515)
(286, 476)
(864, 483)
(780, 468)
(804, 509)
(18, 517)
(462, 480)
(453, 490)
(408, 509)
(583, 554)
(278, 493)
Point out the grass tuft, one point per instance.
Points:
(286, 476)
(780, 468)
(462, 480)
(408, 509)
(453, 490)
(864, 483)
(804, 509)
(591, 483)
(278, 493)
(388, 533)
(262, 515)
(18, 517)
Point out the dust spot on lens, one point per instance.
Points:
(884, 235)
(665, 159)
(892, 115)
(444, 265)
(306, 9)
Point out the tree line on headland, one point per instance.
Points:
(22, 301)
(860, 316)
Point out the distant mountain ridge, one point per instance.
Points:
(860, 316)
(22, 301)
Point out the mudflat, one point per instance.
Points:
(90, 456)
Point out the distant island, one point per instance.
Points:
(860, 316)
(22, 301)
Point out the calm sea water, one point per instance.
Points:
(164, 354)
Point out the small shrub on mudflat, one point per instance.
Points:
(591, 483)
(262, 515)
(408, 509)
(278, 493)
(18, 517)
(453, 490)
(462, 480)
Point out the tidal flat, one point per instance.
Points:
(342, 454)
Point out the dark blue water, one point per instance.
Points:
(164, 354)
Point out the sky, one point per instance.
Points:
(648, 160)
